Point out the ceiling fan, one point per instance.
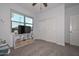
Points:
(45, 4)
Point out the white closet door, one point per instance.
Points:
(74, 30)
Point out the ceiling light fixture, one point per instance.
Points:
(41, 5)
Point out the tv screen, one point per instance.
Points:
(27, 29)
(24, 29)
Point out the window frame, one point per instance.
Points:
(14, 11)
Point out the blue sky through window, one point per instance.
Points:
(17, 17)
(28, 20)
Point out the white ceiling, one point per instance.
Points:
(36, 9)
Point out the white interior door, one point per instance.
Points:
(74, 30)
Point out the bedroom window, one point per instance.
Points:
(28, 21)
(19, 19)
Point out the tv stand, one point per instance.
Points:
(20, 42)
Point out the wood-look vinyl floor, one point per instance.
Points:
(44, 48)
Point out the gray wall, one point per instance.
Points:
(50, 25)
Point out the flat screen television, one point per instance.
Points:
(24, 29)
